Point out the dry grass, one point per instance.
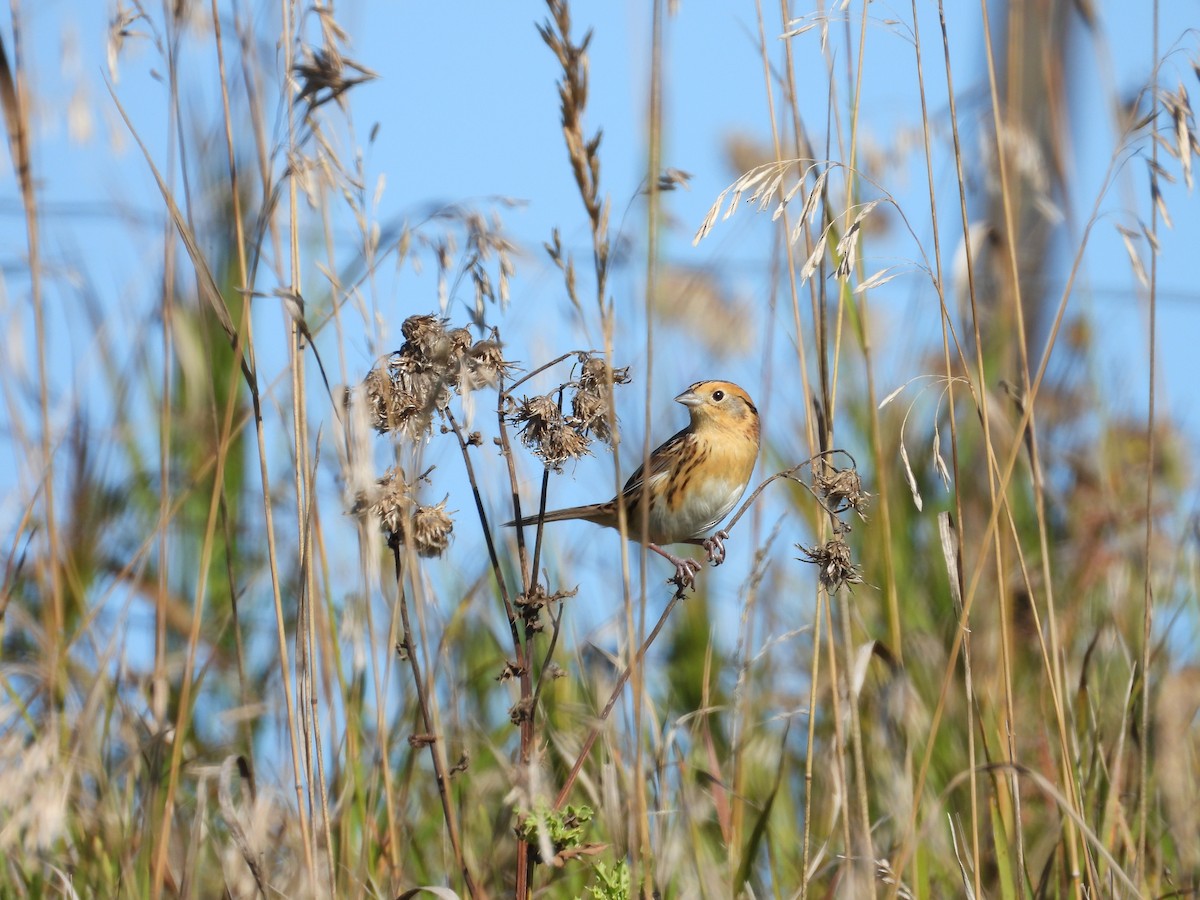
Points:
(264, 635)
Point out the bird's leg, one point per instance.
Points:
(715, 547)
(685, 569)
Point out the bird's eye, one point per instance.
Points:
(718, 396)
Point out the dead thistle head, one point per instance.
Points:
(548, 433)
(402, 519)
(421, 377)
(591, 405)
(841, 489)
(835, 567)
(430, 528)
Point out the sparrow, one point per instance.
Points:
(695, 479)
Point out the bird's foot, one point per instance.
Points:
(715, 547)
(685, 573)
(685, 569)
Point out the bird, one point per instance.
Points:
(696, 477)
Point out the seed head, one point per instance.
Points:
(841, 488)
(424, 335)
(484, 363)
(431, 527)
(550, 435)
(388, 502)
(834, 564)
(593, 399)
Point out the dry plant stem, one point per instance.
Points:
(813, 686)
(543, 496)
(947, 326)
(12, 88)
(303, 484)
(161, 689)
(1006, 473)
(864, 850)
(654, 166)
(809, 429)
(583, 155)
(884, 500)
(521, 650)
(507, 392)
(1059, 679)
(243, 352)
(810, 432)
(493, 557)
(1147, 585)
(839, 734)
(876, 439)
(520, 647)
(555, 631)
(962, 634)
(309, 597)
(168, 294)
(366, 545)
(439, 771)
(565, 791)
(183, 722)
(1063, 804)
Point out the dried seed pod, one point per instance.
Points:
(833, 561)
(592, 401)
(430, 528)
(841, 488)
(544, 430)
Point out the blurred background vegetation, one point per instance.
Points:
(261, 632)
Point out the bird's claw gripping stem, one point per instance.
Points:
(715, 547)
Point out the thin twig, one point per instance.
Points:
(443, 780)
(590, 740)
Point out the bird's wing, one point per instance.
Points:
(661, 461)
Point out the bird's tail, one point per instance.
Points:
(592, 513)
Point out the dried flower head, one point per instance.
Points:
(417, 390)
(425, 337)
(421, 377)
(531, 604)
(834, 563)
(388, 502)
(484, 363)
(430, 528)
(377, 388)
(460, 341)
(510, 671)
(548, 433)
(392, 504)
(325, 74)
(521, 711)
(841, 488)
(592, 401)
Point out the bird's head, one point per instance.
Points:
(720, 404)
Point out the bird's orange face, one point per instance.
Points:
(721, 405)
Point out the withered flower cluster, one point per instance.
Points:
(840, 488)
(592, 402)
(424, 374)
(833, 561)
(532, 603)
(403, 519)
(557, 438)
(840, 491)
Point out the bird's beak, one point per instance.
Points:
(689, 398)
